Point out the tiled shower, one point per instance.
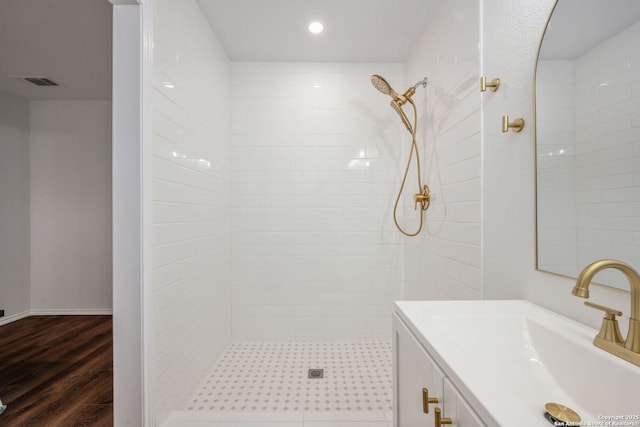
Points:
(274, 186)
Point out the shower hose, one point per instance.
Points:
(414, 151)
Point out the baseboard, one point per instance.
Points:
(56, 312)
(12, 318)
(71, 312)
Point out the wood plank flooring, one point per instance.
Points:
(57, 371)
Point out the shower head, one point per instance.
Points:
(398, 100)
(384, 87)
(381, 84)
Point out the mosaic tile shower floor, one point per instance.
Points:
(273, 376)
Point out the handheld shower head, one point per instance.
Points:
(384, 87)
(398, 100)
(395, 104)
(381, 84)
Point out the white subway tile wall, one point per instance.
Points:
(316, 165)
(191, 202)
(443, 262)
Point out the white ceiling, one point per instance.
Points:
(354, 30)
(68, 41)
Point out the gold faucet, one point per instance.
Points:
(630, 349)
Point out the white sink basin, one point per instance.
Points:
(509, 358)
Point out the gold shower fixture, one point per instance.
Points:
(423, 196)
(398, 100)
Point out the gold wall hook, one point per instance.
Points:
(517, 125)
(494, 84)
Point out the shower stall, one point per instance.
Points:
(315, 258)
(276, 259)
(315, 261)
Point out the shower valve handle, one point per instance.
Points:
(424, 198)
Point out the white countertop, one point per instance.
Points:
(509, 358)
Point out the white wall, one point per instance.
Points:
(131, 199)
(70, 176)
(191, 202)
(315, 172)
(444, 261)
(512, 31)
(14, 206)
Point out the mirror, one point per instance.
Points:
(588, 138)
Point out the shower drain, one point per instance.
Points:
(316, 373)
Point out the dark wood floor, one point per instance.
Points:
(57, 371)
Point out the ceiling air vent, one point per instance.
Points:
(38, 81)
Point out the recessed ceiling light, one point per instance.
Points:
(316, 27)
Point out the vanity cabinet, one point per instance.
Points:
(420, 386)
(457, 408)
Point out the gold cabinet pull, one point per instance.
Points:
(426, 400)
(493, 84)
(440, 420)
(517, 125)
